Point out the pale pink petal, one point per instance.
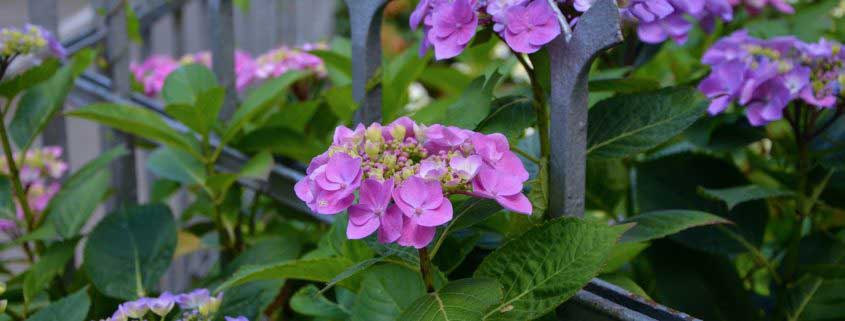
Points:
(516, 203)
(391, 225)
(437, 216)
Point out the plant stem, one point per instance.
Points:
(802, 126)
(540, 107)
(425, 270)
(20, 193)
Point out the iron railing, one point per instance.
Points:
(570, 60)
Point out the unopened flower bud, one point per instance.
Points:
(407, 172)
(2, 287)
(389, 160)
(372, 148)
(212, 305)
(398, 133)
(374, 133)
(3, 304)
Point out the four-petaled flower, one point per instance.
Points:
(374, 212)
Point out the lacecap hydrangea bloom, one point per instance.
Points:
(528, 25)
(40, 172)
(403, 174)
(197, 305)
(757, 6)
(31, 39)
(765, 76)
(152, 72)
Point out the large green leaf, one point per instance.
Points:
(658, 224)
(258, 167)
(29, 78)
(40, 103)
(282, 141)
(72, 308)
(319, 270)
(737, 195)
(623, 253)
(308, 301)
(176, 165)
(815, 299)
(467, 300)
(249, 299)
(185, 85)
(137, 121)
(51, 264)
(386, 291)
(509, 116)
(202, 116)
(624, 85)
(668, 183)
(398, 75)
(338, 66)
(701, 284)
(70, 209)
(629, 124)
(547, 266)
(130, 249)
(259, 101)
(474, 105)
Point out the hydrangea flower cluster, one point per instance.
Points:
(764, 76)
(39, 173)
(757, 6)
(403, 174)
(152, 72)
(528, 25)
(660, 20)
(198, 305)
(31, 39)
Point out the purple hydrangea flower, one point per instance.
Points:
(530, 27)
(373, 212)
(453, 26)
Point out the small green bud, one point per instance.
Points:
(374, 133)
(3, 304)
(398, 133)
(389, 160)
(372, 149)
(211, 306)
(2, 287)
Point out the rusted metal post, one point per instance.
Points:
(221, 21)
(45, 14)
(365, 22)
(597, 30)
(124, 177)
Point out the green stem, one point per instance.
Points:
(540, 107)
(20, 193)
(803, 126)
(526, 155)
(226, 253)
(425, 270)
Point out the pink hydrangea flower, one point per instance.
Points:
(373, 212)
(530, 27)
(453, 27)
(415, 235)
(504, 188)
(423, 202)
(408, 173)
(495, 151)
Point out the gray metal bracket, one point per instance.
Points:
(597, 30)
(365, 22)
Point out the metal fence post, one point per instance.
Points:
(597, 30)
(123, 170)
(365, 22)
(45, 14)
(221, 20)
